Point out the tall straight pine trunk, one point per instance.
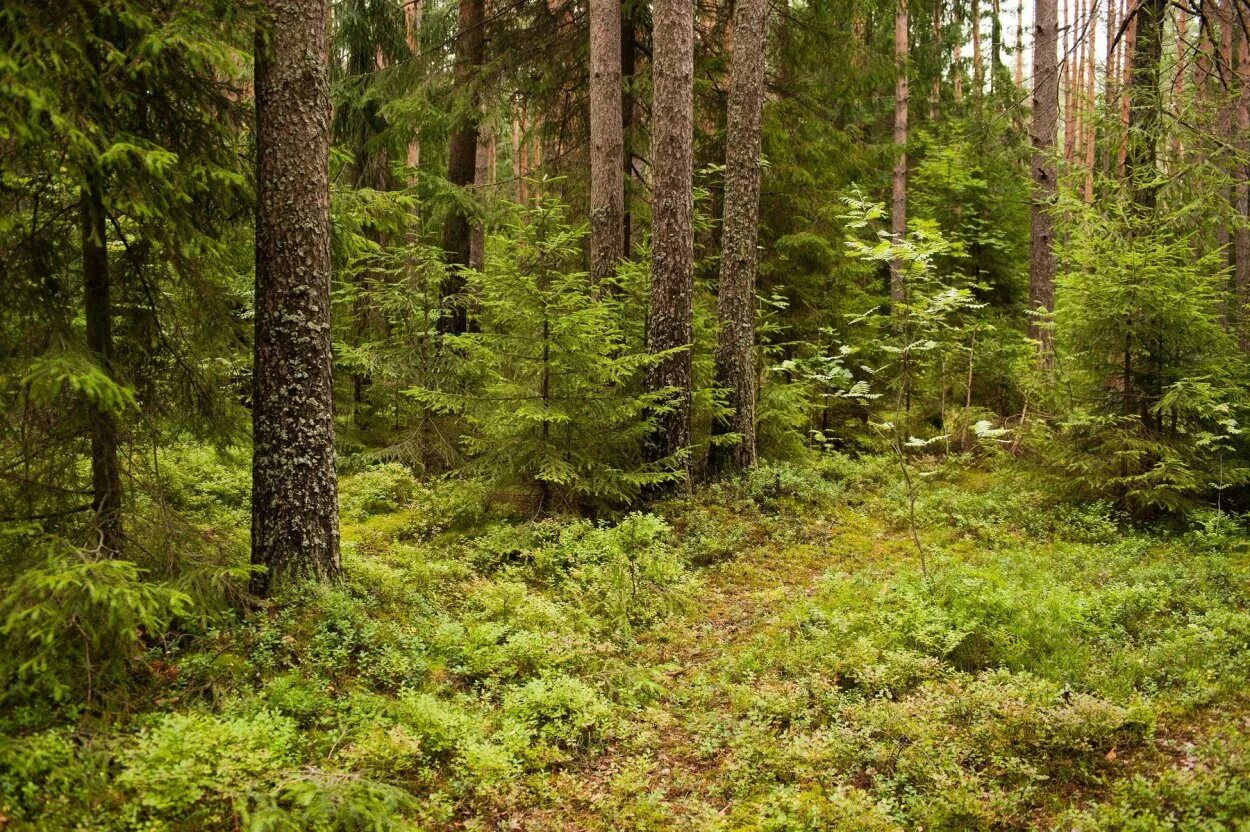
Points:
(1043, 134)
(607, 140)
(295, 533)
(462, 162)
(629, 58)
(735, 302)
(672, 220)
(898, 202)
(106, 482)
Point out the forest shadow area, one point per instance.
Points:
(767, 654)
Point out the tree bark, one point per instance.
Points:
(462, 163)
(1241, 191)
(898, 203)
(607, 141)
(1145, 104)
(295, 533)
(672, 209)
(735, 302)
(106, 483)
(1043, 134)
(629, 57)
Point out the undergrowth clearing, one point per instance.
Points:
(765, 656)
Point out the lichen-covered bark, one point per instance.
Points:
(735, 301)
(607, 142)
(1043, 134)
(898, 203)
(106, 482)
(295, 532)
(672, 208)
(462, 162)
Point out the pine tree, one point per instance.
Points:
(295, 533)
(672, 221)
(898, 205)
(735, 302)
(607, 142)
(1043, 131)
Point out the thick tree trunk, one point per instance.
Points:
(672, 209)
(735, 302)
(607, 141)
(295, 533)
(629, 57)
(1043, 134)
(898, 202)
(1145, 104)
(483, 180)
(106, 482)
(462, 163)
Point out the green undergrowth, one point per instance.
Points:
(765, 656)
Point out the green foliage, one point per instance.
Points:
(1157, 393)
(192, 770)
(548, 386)
(73, 623)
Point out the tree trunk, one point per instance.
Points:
(1043, 134)
(898, 204)
(1020, 44)
(735, 302)
(414, 11)
(1145, 104)
(629, 57)
(672, 209)
(957, 62)
(996, 42)
(483, 180)
(607, 141)
(106, 481)
(1090, 102)
(295, 533)
(978, 65)
(462, 163)
(1241, 192)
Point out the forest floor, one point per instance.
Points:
(769, 655)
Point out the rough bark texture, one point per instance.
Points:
(462, 163)
(1241, 190)
(607, 140)
(1043, 134)
(898, 203)
(629, 56)
(672, 209)
(106, 482)
(735, 302)
(483, 180)
(295, 532)
(1145, 103)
